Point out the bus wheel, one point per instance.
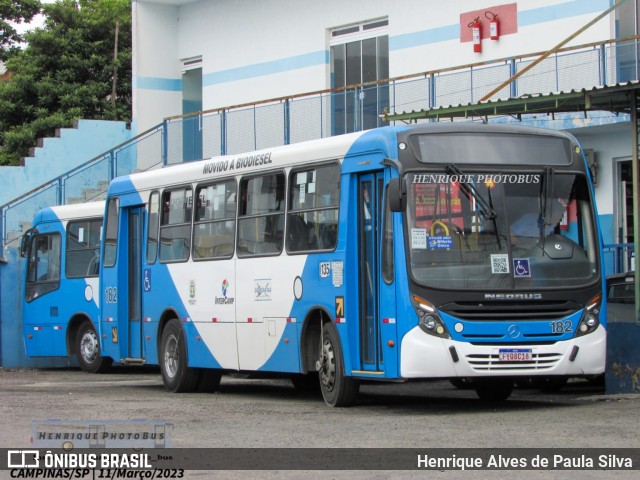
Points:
(209, 380)
(176, 375)
(494, 390)
(88, 350)
(338, 390)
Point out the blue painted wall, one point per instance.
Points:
(623, 358)
(58, 155)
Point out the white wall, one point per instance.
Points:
(156, 71)
(609, 142)
(256, 50)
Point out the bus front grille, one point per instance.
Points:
(510, 311)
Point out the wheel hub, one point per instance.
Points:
(89, 347)
(171, 354)
(328, 366)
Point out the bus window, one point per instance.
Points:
(261, 215)
(43, 269)
(83, 248)
(111, 234)
(312, 221)
(152, 233)
(175, 225)
(215, 221)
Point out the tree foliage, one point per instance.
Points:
(68, 71)
(14, 12)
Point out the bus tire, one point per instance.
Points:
(209, 380)
(338, 390)
(176, 375)
(494, 390)
(88, 350)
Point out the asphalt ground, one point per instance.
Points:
(253, 413)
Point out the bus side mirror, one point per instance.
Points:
(24, 243)
(397, 198)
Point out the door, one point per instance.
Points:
(624, 257)
(134, 266)
(191, 103)
(369, 221)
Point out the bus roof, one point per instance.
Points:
(246, 163)
(69, 212)
(383, 140)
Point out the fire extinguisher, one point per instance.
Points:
(475, 27)
(494, 25)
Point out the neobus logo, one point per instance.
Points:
(513, 296)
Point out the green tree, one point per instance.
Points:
(14, 12)
(78, 65)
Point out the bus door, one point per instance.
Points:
(134, 279)
(372, 290)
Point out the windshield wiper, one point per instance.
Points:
(472, 191)
(544, 216)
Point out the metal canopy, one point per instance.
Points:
(615, 98)
(620, 98)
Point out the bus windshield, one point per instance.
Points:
(510, 230)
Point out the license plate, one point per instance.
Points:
(515, 355)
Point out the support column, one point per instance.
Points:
(635, 126)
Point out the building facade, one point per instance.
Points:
(199, 55)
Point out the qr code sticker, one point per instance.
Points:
(499, 263)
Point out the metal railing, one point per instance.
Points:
(618, 258)
(89, 180)
(320, 114)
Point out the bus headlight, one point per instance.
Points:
(428, 319)
(591, 317)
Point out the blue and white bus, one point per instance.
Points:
(61, 302)
(428, 251)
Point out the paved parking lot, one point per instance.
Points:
(270, 413)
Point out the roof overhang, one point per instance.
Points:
(615, 98)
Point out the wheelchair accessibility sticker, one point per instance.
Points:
(521, 267)
(147, 279)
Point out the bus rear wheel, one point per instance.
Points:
(337, 389)
(176, 375)
(88, 350)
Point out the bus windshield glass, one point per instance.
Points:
(511, 230)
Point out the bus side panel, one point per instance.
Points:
(191, 289)
(266, 329)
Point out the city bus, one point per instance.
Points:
(60, 307)
(409, 252)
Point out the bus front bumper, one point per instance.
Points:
(426, 356)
